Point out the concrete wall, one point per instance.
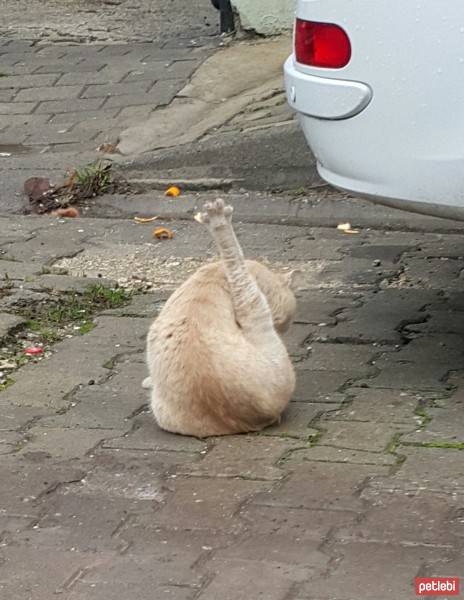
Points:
(266, 16)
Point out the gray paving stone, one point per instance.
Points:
(446, 426)
(9, 323)
(407, 519)
(426, 470)
(341, 357)
(72, 105)
(23, 481)
(48, 93)
(66, 283)
(32, 573)
(148, 436)
(66, 444)
(107, 406)
(163, 92)
(385, 253)
(297, 418)
(108, 75)
(52, 134)
(116, 89)
(423, 364)
(445, 321)
(433, 273)
(27, 81)
(17, 417)
(17, 108)
(236, 579)
(31, 121)
(7, 95)
(332, 454)
(306, 524)
(84, 522)
(373, 437)
(10, 442)
(321, 485)
(381, 571)
(250, 457)
(73, 118)
(381, 316)
(280, 548)
(380, 406)
(321, 308)
(124, 574)
(48, 383)
(213, 503)
(10, 526)
(70, 66)
(297, 339)
(318, 386)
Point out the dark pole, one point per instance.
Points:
(227, 16)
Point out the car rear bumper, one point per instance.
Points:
(324, 98)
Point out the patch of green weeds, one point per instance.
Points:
(443, 445)
(6, 384)
(86, 327)
(92, 179)
(107, 297)
(58, 316)
(47, 334)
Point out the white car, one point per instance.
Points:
(379, 88)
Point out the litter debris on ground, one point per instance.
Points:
(108, 148)
(163, 234)
(70, 212)
(33, 350)
(173, 191)
(346, 228)
(81, 184)
(142, 220)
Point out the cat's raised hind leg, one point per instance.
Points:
(251, 308)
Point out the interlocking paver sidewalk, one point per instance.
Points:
(61, 99)
(356, 493)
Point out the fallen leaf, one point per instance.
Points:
(33, 350)
(163, 234)
(108, 148)
(173, 191)
(70, 212)
(346, 228)
(145, 219)
(37, 187)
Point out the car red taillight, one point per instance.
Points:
(321, 45)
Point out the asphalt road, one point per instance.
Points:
(107, 20)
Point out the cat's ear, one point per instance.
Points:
(294, 279)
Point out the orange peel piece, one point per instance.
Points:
(161, 233)
(69, 213)
(173, 191)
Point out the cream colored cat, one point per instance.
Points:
(216, 361)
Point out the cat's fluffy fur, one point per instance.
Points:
(216, 361)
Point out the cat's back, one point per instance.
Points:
(200, 306)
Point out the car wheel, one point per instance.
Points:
(215, 3)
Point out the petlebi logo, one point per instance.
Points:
(437, 586)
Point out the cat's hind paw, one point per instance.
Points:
(215, 213)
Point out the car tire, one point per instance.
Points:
(215, 3)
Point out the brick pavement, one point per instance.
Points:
(357, 492)
(72, 98)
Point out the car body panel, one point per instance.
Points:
(407, 142)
